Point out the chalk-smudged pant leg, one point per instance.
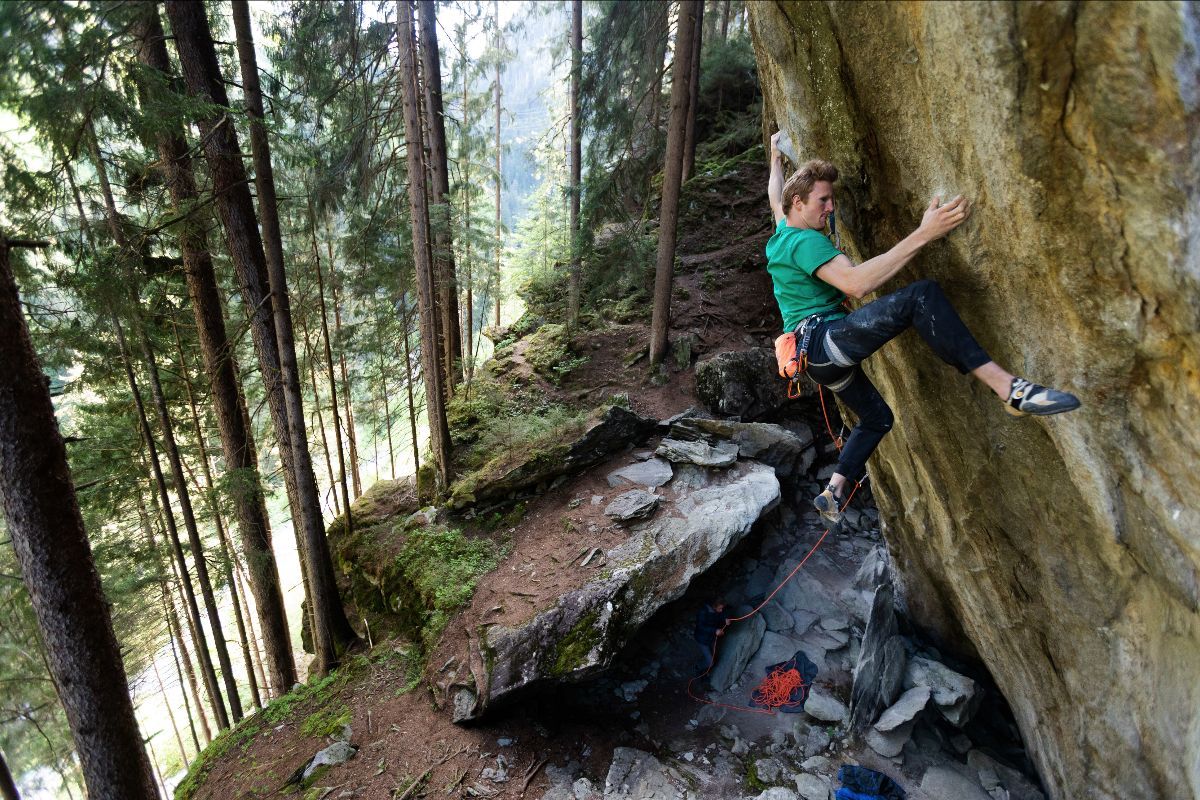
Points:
(838, 347)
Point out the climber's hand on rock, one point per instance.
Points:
(775, 144)
(940, 219)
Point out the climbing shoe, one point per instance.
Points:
(1030, 398)
(829, 506)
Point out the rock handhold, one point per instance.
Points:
(650, 473)
(904, 710)
(955, 695)
(743, 384)
(889, 744)
(812, 787)
(700, 453)
(634, 504)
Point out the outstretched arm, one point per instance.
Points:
(775, 184)
(868, 276)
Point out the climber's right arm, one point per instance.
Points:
(868, 276)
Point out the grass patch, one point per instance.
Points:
(224, 743)
(443, 567)
(326, 722)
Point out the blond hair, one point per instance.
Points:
(801, 182)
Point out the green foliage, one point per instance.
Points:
(443, 566)
(548, 351)
(327, 721)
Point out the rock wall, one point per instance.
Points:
(1062, 552)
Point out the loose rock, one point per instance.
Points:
(631, 505)
(650, 473)
(703, 454)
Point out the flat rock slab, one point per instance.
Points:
(905, 709)
(580, 633)
(720, 454)
(336, 753)
(631, 505)
(889, 743)
(650, 473)
(789, 451)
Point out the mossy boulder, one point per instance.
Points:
(512, 476)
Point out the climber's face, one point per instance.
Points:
(814, 212)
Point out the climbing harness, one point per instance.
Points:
(791, 353)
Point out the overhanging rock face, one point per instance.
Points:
(1063, 552)
(709, 513)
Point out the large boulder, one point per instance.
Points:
(743, 384)
(605, 432)
(1061, 552)
(585, 628)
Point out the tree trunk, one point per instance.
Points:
(725, 21)
(333, 402)
(198, 636)
(689, 141)
(439, 210)
(434, 395)
(408, 380)
(660, 321)
(312, 374)
(387, 412)
(208, 491)
(656, 43)
(185, 503)
(176, 636)
(173, 632)
(56, 564)
(348, 406)
(270, 318)
(237, 443)
(576, 153)
(8, 787)
(464, 160)
(499, 234)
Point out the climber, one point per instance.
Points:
(812, 279)
(710, 625)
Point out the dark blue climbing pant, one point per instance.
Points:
(838, 348)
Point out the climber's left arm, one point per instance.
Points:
(775, 184)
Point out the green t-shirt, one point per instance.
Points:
(793, 257)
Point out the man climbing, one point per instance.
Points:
(812, 279)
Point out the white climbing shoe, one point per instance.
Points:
(1025, 397)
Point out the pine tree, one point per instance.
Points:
(422, 258)
(57, 566)
(672, 173)
(332, 634)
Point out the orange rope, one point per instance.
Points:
(777, 689)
